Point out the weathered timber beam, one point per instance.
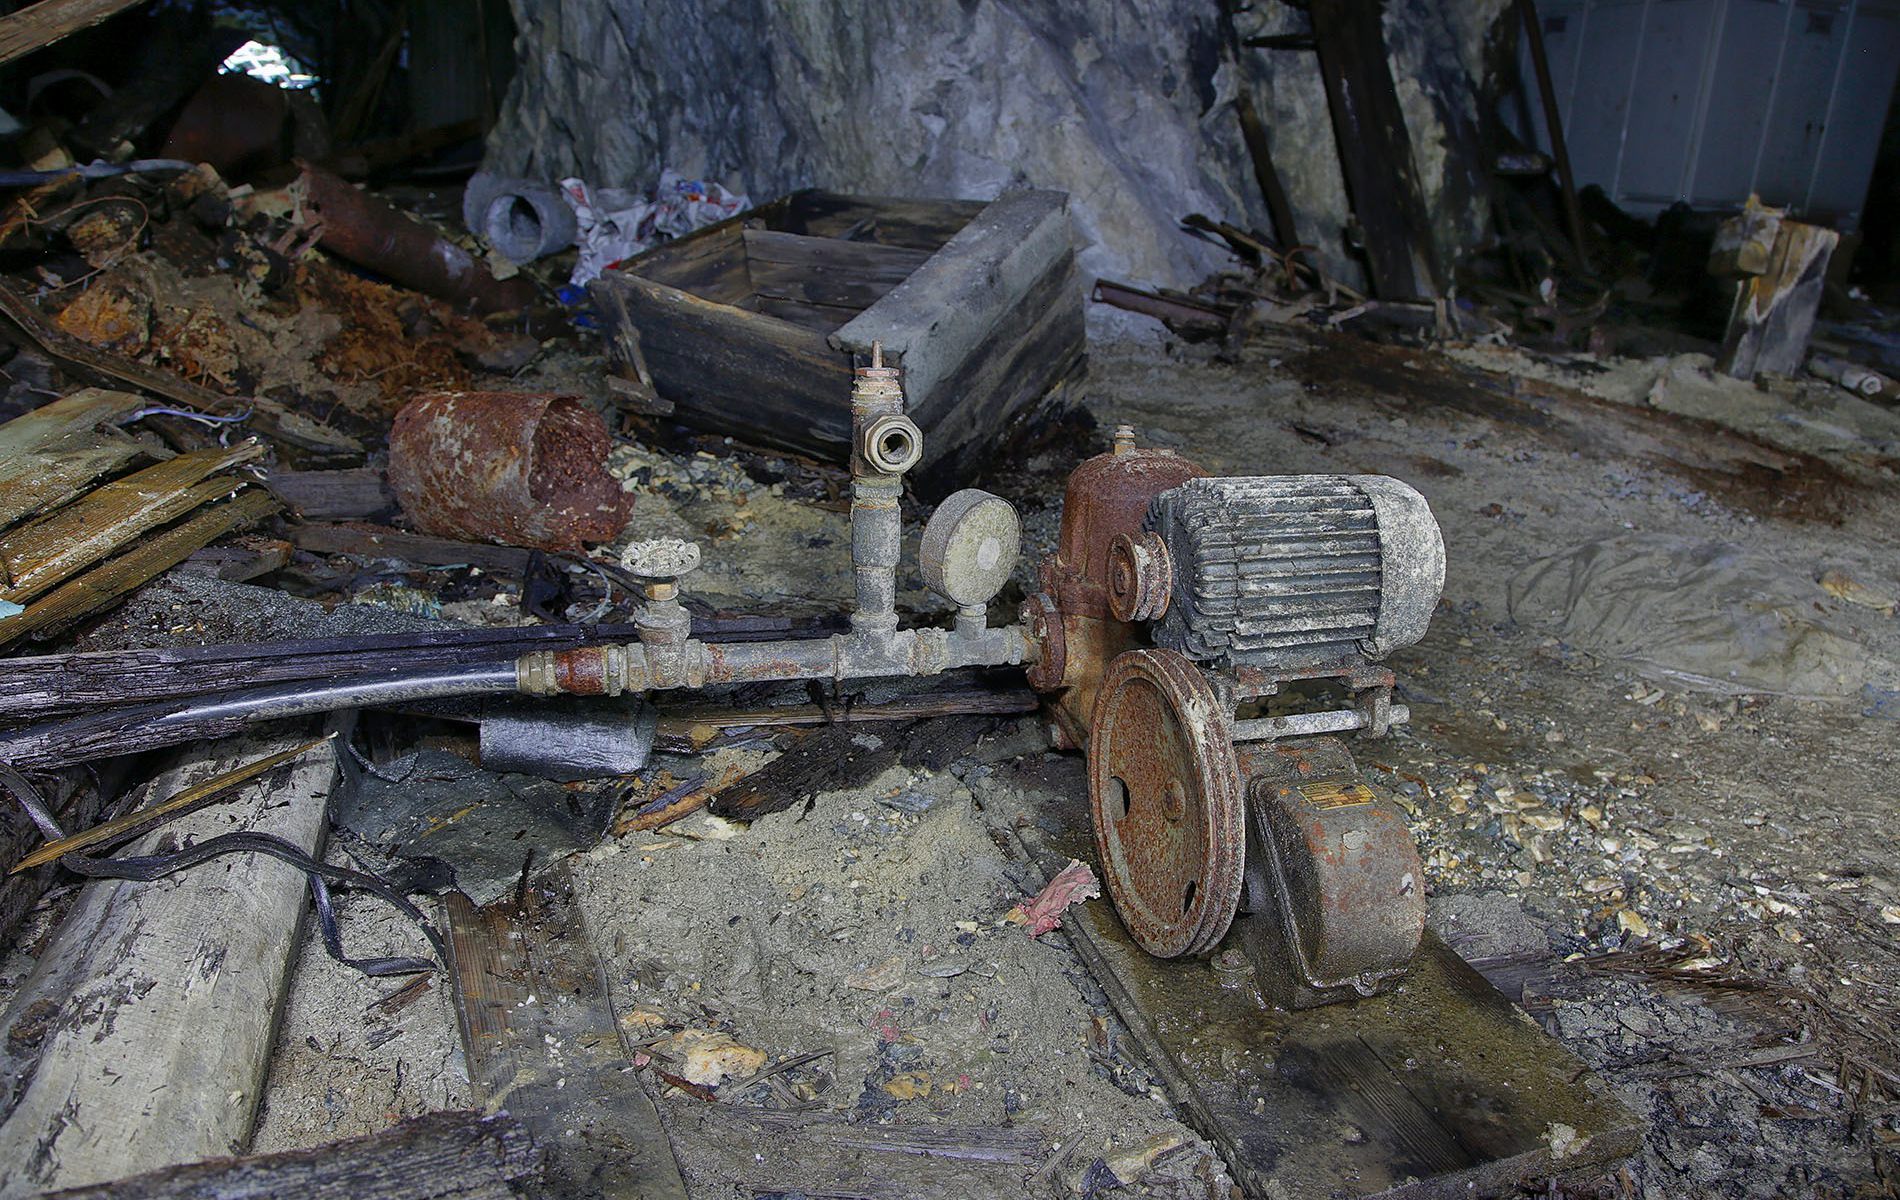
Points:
(142, 1037)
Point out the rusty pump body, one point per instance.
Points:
(1175, 607)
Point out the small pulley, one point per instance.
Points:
(1167, 802)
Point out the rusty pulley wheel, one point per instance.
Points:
(1166, 800)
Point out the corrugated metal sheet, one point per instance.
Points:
(1709, 100)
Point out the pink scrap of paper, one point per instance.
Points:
(1071, 886)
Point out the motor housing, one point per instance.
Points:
(1295, 572)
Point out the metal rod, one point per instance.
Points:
(1263, 729)
(1554, 124)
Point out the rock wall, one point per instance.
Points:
(1125, 104)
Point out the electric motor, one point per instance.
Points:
(1296, 571)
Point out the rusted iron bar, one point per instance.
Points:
(359, 227)
(1184, 316)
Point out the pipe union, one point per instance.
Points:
(891, 444)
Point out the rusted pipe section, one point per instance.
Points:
(519, 468)
(357, 226)
(884, 444)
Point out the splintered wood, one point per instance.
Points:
(1782, 266)
(71, 544)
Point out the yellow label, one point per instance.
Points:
(1330, 793)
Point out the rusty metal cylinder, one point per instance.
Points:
(519, 468)
(363, 229)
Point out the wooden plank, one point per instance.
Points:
(48, 21)
(1375, 151)
(1454, 1090)
(380, 541)
(39, 481)
(356, 494)
(814, 270)
(89, 410)
(106, 582)
(455, 1155)
(1037, 345)
(58, 546)
(142, 1036)
(539, 1035)
(889, 220)
(710, 262)
(759, 379)
(967, 303)
(822, 319)
(1774, 311)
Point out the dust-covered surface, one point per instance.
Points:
(1738, 847)
(875, 926)
(1719, 866)
(354, 1054)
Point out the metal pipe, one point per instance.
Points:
(861, 654)
(152, 726)
(303, 699)
(884, 444)
(1262, 729)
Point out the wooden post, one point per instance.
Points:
(141, 1039)
(1774, 312)
(1375, 151)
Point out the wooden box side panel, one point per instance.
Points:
(754, 377)
(1037, 344)
(709, 262)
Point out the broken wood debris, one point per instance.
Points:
(35, 557)
(189, 800)
(541, 1037)
(1782, 266)
(839, 756)
(267, 416)
(102, 585)
(453, 1155)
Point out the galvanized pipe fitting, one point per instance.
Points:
(885, 444)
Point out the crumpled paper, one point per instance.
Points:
(1071, 886)
(616, 223)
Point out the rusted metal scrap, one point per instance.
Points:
(522, 469)
(359, 227)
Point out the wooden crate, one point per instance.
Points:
(751, 327)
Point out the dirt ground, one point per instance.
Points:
(1697, 891)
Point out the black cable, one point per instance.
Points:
(148, 867)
